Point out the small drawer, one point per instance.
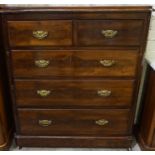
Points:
(40, 33)
(81, 63)
(74, 93)
(89, 122)
(109, 32)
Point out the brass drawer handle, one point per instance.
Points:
(109, 33)
(43, 93)
(107, 63)
(102, 122)
(45, 123)
(40, 34)
(104, 93)
(42, 63)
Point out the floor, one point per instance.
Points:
(15, 148)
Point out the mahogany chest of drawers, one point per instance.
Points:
(74, 73)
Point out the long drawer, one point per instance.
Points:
(60, 122)
(109, 32)
(75, 63)
(74, 93)
(40, 33)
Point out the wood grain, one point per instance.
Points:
(74, 93)
(74, 63)
(59, 33)
(74, 72)
(73, 122)
(89, 32)
(75, 141)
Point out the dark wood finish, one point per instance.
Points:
(71, 74)
(74, 122)
(78, 141)
(74, 93)
(74, 15)
(146, 132)
(81, 63)
(5, 126)
(6, 121)
(21, 33)
(89, 32)
(45, 7)
(153, 139)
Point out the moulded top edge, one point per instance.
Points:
(75, 8)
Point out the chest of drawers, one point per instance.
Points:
(74, 73)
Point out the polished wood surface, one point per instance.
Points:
(153, 139)
(89, 32)
(94, 75)
(75, 63)
(6, 126)
(146, 134)
(21, 33)
(6, 123)
(74, 122)
(46, 7)
(75, 141)
(3, 121)
(74, 93)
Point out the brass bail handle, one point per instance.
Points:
(109, 33)
(102, 122)
(42, 63)
(40, 34)
(107, 63)
(104, 93)
(43, 93)
(45, 123)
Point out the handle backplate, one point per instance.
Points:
(104, 93)
(43, 93)
(40, 34)
(42, 63)
(109, 33)
(107, 63)
(102, 122)
(45, 123)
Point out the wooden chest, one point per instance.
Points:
(74, 73)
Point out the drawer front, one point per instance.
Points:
(40, 33)
(109, 32)
(74, 93)
(73, 122)
(82, 63)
